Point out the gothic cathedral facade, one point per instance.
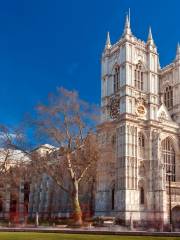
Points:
(139, 132)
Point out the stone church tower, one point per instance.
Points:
(139, 132)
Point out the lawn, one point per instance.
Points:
(59, 236)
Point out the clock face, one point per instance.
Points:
(141, 110)
(114, 107)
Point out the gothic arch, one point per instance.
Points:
(144, 133)
(174, 141)
(176, 215)
(139, 76)
(142, 169)
(142, 192)
(116, 77)
(165, 85)
(144, 66)
(168, 95)
(142, 139)
(169, 158)
(115, 66)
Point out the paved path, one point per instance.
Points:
(113, 230)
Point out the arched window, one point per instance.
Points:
(141, 145)
(168, 97)
(116, 79)
(141, 195)
(138, 74)
(168, 155)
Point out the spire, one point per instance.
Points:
(129, 15)
(150, 34)
(150, 38)
(127, 28)
(127, 23)
(178, 52)
(108, 42)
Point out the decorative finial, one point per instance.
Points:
(108, 41)
(150, 40)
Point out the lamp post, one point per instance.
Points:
(170, 212)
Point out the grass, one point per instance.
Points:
(59, 236)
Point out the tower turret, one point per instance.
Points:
(127, 27)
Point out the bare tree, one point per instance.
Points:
(13, 163)
(69, 123)
(12, 151)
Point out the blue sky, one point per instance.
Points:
(49, 43)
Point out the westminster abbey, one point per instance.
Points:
(139, 168)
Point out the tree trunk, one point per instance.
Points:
(37, 219)
(77, 212)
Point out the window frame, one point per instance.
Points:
(169, 159)
(141, 145)
(116, 80)
(168, 97)
(139, 77)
